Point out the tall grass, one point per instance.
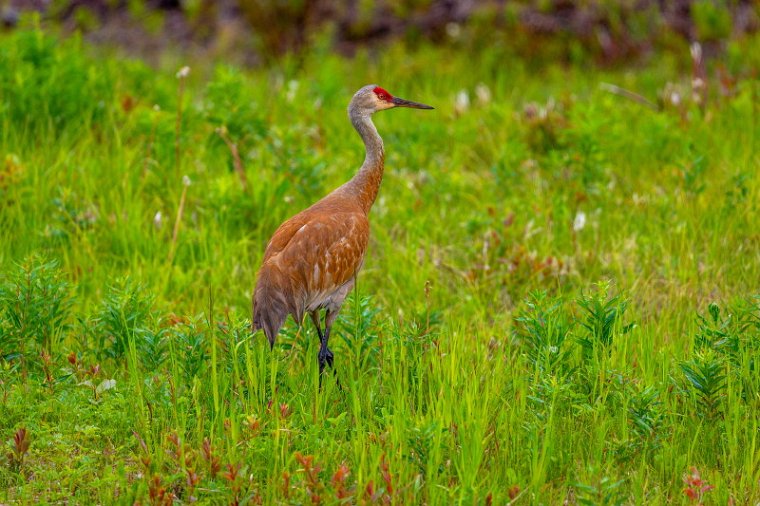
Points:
(560, 300)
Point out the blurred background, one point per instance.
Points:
(255, 32)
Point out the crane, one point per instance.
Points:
(312, 260)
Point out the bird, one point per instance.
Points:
(312, 260)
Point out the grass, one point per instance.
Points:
(560, 300)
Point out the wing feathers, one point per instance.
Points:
(308, 260)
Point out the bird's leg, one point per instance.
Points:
(322, 343)
(329, 319)
(315, 318)
(325, 355)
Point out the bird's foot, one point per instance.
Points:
(327, 359)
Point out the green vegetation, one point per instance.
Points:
(560, 301)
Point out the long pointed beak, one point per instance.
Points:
(400, 102)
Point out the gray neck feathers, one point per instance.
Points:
(366, 183)
(373, 143)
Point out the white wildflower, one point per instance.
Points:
(290, 95)
(696, 51)
(158, 220)
(453, 30)
(183, 72)
(580, 221)
(483, 93)
(186, 180)
(461, 102)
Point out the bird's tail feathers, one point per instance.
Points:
(269, 310)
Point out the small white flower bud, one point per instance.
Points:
(580, 221)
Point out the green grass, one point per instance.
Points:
(559, 303)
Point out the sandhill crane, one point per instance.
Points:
(312, 260)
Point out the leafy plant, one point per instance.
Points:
(124, 317)
(55, 80)
(645, 412)
(19, 448)
(191, 347)
(604, 492)
(602, 319)
(693, 175)
(733, 338)
(542, 330)
(358, 328)
(35, 303)
(646, 419)
(705, 374)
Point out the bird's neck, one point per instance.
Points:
(366, 183)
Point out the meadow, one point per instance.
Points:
(560, 302)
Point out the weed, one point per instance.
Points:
(543, 329)
(695, 487)
(124, 318)
(705, 374)
(603, 492)
(338, 482)
(35, 302)
(602, 319)
(213, 462)
(19, 448)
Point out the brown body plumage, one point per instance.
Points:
(313, 258)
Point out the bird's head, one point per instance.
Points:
(372, 98)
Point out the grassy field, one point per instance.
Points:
(561, 299)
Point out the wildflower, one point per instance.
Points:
(340, 475)
(252, 423)
(290, 95)
(183, 72)
(580, 221)
(461, 102)
(696, 51)
(186, 180)
(696, 487)
(453, 30)
(483, 93)
(158, 220)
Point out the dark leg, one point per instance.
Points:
(322, 344)
(329, 319)
(325, 351)
(315, 318)
(325, 354)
